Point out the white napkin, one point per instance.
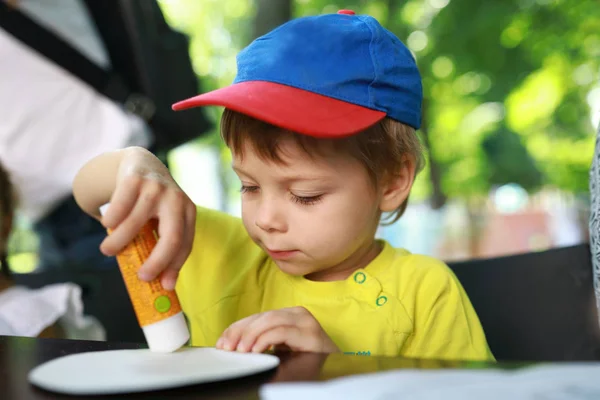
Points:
(27, 312)
(573, 381)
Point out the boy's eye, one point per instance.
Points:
(248, 189)
(307, 200)
(304, 200)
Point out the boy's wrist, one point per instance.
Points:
(95, 182)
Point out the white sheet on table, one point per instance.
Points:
(576, 381)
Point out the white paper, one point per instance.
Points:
(576, 381)
(27, 312)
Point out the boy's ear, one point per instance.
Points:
(396, 188)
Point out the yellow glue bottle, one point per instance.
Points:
(158, 310)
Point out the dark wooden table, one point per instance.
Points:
(19, 355)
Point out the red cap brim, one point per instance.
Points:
(290, 108)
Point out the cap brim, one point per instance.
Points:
(290, 108)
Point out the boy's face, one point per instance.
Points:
(315, 216)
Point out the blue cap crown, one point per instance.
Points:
(346, 57)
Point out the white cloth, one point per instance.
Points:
(27, 312)
(52, 123)
(549, 382)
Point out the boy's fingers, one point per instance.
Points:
(187, 239)
(131, 226)
(123, 201)
(190, 229)
(231, 336)
(259, 326)
(290, 336)
(169, 277)
(170, 231)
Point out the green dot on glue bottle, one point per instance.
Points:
(162, 304)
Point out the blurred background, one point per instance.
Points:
(512, 102)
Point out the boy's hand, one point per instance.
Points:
(292, 328)
(144, 190)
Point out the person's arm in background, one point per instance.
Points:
(139, 187)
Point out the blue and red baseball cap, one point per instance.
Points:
(326, 76)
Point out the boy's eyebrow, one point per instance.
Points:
(239, 170)
(292, 178)
(300, 178)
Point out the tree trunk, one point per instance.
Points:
(438, 198)
(270, 14)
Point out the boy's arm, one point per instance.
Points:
(95, 182)
(139, 187)
(446, 326)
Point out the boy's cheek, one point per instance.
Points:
(248, 224)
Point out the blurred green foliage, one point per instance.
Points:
(509, 84)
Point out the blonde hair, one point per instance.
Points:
(380, 148)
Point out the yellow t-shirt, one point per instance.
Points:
(400, 304)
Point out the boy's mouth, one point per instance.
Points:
(281, 254)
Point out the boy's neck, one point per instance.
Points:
(360, 259)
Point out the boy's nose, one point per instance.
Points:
(269, 217)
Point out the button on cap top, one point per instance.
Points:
(347, 12)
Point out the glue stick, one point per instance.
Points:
(158, 310)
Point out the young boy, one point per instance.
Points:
(321, 123)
